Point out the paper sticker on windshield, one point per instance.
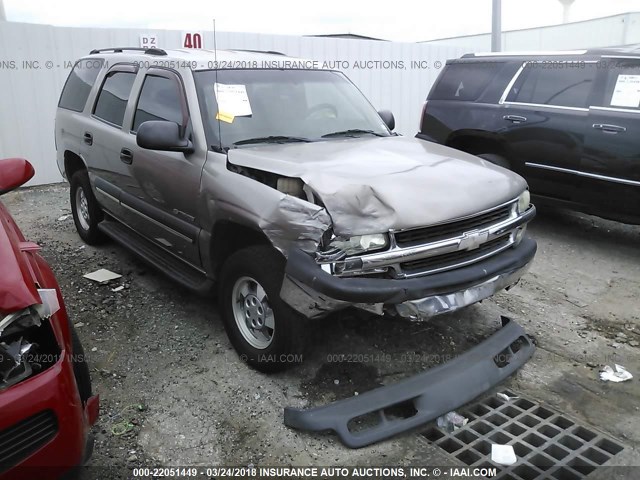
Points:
(232, 100)
(626, 92)
(225, 117)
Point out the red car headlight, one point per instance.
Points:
(27, 342)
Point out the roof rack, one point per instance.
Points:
(148, 51)
(271, 52)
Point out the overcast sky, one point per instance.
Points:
(399, 21)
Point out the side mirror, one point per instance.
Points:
(387, 118)
(13, 173)
(162, 135)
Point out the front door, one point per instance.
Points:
(161, 196)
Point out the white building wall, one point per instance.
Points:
(29, 95)
(611, 31)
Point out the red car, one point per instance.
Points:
(46, 404)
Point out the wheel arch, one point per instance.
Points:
(229, 236)
(73, 163)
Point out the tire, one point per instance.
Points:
(80, 367)
(496, 160)
(85, 208)
(266, 332)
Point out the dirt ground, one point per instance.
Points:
(173, 391)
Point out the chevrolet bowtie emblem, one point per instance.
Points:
(472, 240)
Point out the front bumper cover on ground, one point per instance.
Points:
(432, 393)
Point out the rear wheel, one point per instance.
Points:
(85, 208)
(496, 160)
(266, 332)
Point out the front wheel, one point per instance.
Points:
(266, 332)
(85, 208)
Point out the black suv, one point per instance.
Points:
(568, 122)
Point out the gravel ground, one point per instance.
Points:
(173, 392)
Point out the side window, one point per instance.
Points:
(79, 84)
(112, 99)
(160, 99)
(567, 85)
(622, 89)
(465, 81)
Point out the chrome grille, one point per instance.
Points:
(437, 232)
(26, 437)
(437, 248)
(458, 258)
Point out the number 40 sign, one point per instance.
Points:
(192, 40)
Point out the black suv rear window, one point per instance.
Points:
(113, 98)
(79, 84)
(464, 81)
(565, 84)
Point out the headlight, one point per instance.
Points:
(23, 337)
(523, 202)
(359, 243)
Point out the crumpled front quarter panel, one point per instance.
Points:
(284, 219)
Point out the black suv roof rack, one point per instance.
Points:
(148, 51)
(271, 52)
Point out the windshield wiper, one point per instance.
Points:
(351, 132)
(271, 139)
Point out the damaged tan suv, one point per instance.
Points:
(282, 186)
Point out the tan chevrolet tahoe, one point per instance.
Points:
(282, 187)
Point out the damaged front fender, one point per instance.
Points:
(292, 221)
(285, 220)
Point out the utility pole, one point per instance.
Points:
(566, 9)
(496, 26)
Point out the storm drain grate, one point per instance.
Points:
(548, 444)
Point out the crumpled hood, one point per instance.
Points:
(376, 184)
(17, 286)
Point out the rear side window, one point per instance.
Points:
(112, 99)
(622, 89)
(79, 84)
(567, 86)
(160, 99)
(465, 81)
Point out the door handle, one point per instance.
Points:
(613, 129)
(88, 138)
(515, 118)
(126, 156)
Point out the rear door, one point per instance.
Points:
(611, 160)
(544, 117)
(162, 191)
(104, 134)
